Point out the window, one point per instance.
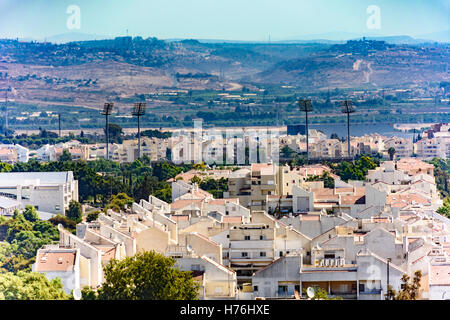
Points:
(244, 254)
(246, 237)
(57, 207)
(262, 237)
(362, 287)
(228, 236)
(255, 288)
(282, 290)
(195, 267)
(262, 254)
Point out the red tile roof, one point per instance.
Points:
(55, 261)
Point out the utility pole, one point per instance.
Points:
(138, 111)
(347, 107)
(306, 106)
(107, 110)
(59, 124)
(388, 261)
(6, 112)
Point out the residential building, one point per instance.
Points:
(47, 191)
(62, 263)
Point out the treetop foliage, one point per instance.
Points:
(145, 276)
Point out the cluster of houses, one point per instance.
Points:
(198, 145)
(433, 143)
(276, 233)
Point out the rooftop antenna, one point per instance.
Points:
(306, 106)
(138, 111)
(347, 107)
(107, 110)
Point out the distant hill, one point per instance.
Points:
(442, 36)
(74, 36)
(362, 63)
(86, 70)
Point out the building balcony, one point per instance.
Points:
(255, 261)
(268, 186)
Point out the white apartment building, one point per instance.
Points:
(436, 147)
(12, 153)
(404, 148)
(153, 148)
(47, 191)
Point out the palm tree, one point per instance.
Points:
(391, 152)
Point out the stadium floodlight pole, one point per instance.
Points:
(107, 110)
(306, 106)
(138, 111)
(347, 107)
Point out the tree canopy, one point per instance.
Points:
(30, 286)
(355, 170)
(145, 276)
(24, 235)
(74, 212)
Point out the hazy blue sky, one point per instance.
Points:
(224, 19)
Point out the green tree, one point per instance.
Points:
(30, 286)
(442, 175)
(118, 202)
(321, 294)
(146, 187)
(92, 216)
(164, 194)
(74, 212)
(165, 171)
(30, 213)
(287, 152)
(328, 181)
(355, 170)
(215, 186)
(5, 167)
(196, 180)
(65, 156)
(391, 152)
(445, 209)
(64, 221)
(145, 276)
(200, 166)
(115, 133)
(298, 160)
(334, 136)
